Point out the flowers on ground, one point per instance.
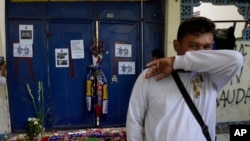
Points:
(34, 128)
(36, 125)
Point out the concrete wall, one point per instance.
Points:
(172, 21)
(2, 28)
(220, 13)
(4, 107)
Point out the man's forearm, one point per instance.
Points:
(219, 61)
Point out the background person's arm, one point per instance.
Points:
(3, 74)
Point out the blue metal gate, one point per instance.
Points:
(64, 87)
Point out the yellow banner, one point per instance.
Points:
(69, 0)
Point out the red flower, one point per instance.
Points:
(97, 48)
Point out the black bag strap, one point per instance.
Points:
(191, 105)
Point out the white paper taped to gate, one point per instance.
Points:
(26, 34)
(62, 57)
(126, 68)
(77, 49)
(22, 50)
(123, 50)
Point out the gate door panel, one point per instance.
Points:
(27, 63)
(129, 32)
(153, 38)
(68, 75)
(121, 67)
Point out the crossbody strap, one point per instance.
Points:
(191, 105)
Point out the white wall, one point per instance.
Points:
(172, 21)
(233, 101)
(4, 108)
(2, 28)
(220, 13)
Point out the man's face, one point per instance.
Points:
(193, 43)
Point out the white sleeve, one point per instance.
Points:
(2, 80)
(136, 110)
(221, 65)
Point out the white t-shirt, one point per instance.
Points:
(158, 108)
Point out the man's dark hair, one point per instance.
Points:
(158, 53)
(195, 26)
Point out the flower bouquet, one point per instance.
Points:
(35, 126)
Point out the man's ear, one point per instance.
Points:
(176, 44)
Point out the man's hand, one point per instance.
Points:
(161, 68)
